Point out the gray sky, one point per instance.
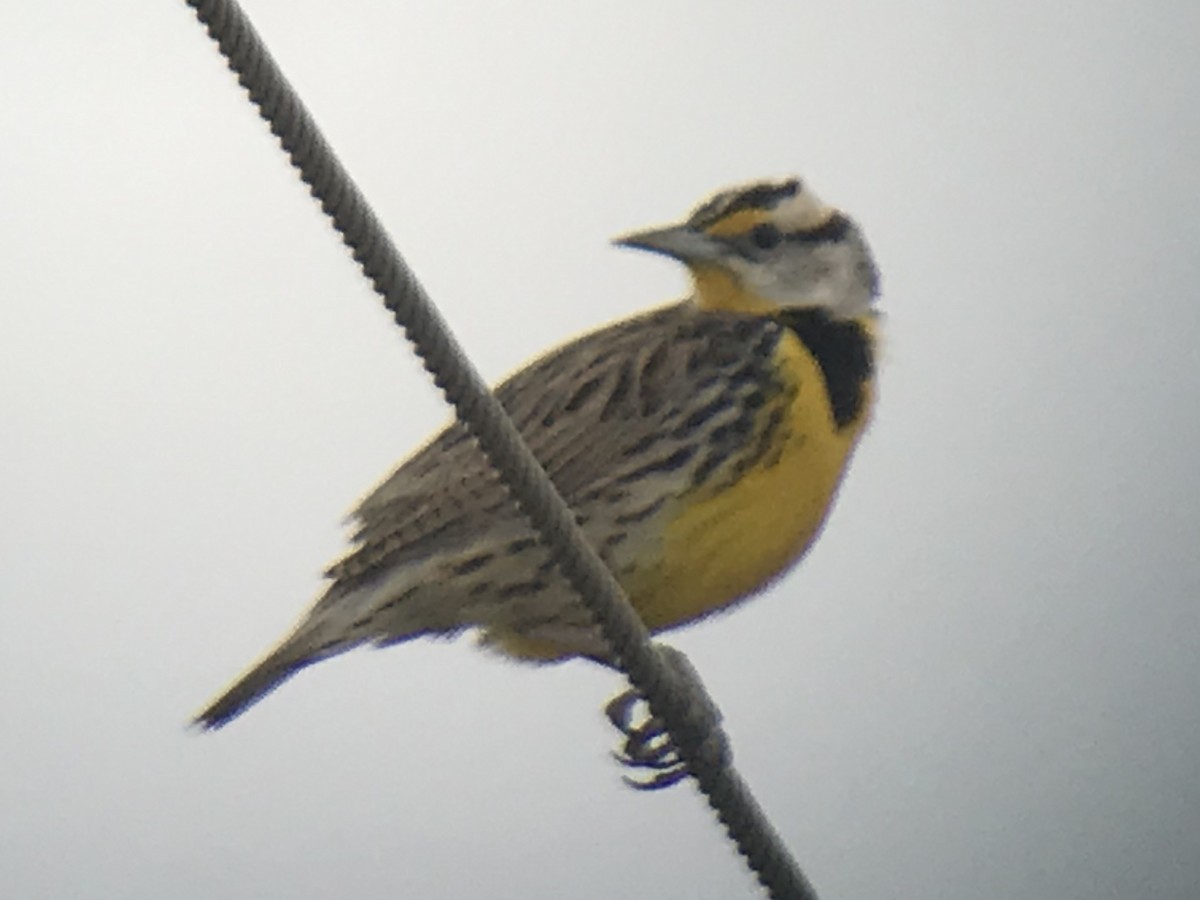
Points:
(983, 681)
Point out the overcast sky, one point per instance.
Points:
(984, 680)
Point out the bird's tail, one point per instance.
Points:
(261, 679)
(340, 620)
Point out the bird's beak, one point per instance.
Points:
(680, 242)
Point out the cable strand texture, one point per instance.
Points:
(670, 697)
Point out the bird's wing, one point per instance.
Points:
(609, 408)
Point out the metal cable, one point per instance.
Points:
(677, 700)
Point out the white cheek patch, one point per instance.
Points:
(803, 212)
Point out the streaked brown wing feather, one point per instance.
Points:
(592, 411)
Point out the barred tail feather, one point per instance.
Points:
(263, 678)
(339, 621)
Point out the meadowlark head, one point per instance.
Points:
(769, 244)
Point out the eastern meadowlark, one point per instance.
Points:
(700, 444)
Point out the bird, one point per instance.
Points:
(700, 444)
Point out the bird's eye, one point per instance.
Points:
(766, 237)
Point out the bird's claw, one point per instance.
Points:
(648, 746)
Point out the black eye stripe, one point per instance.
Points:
(766, 236)
(833, 230)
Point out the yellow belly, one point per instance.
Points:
(720, 546)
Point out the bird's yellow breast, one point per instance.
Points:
(723, 542)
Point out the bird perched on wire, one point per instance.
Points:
(700, 444)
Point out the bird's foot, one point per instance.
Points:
(648, 747)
